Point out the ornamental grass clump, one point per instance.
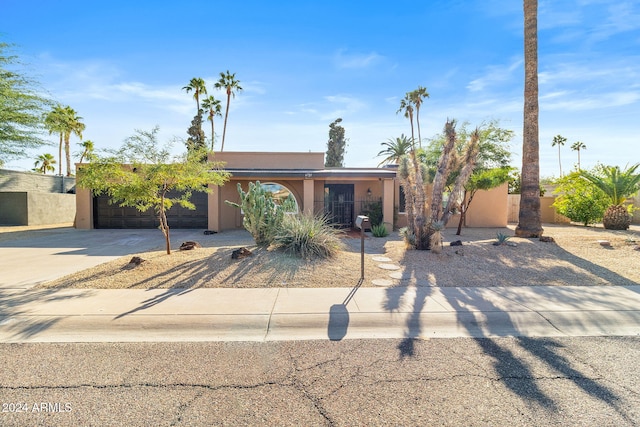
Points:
(308, 237)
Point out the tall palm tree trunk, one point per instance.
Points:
(559, 161)
(418, 124)
(529, 221)
(67, 154)
(60, 156)
(213, 135)
(579, 159)
(226, 116)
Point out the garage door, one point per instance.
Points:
(107, 215)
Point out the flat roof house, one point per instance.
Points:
(340, 193)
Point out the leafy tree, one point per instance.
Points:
(617, 184)
(493, 149)
(45, 163)
(514, 181)
(231, 86)
(213, 106)
(141, 174)
(529, 217)
(577, 146)
(395, 149)
(336, 145)
(579, 200)
(21, 109)
(559, 140)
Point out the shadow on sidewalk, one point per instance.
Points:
(21, 324)
(339, 316)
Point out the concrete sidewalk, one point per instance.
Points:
(166, 315)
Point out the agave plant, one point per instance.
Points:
(501, 239)
(617, 185)
(379, 230)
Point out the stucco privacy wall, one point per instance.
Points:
(34, 199)
(488, 209)
(28, 181)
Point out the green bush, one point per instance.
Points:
(379, 230)
(579, 200)
(374, 211)
(307, 237)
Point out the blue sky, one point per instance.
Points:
(121, 65)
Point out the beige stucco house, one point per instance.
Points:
(340, 193)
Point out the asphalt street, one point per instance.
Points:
(458, 382)
(527, 356)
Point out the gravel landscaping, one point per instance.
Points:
(579, 256)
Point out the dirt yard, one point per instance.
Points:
(576, 258)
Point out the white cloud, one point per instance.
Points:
(574, 102)
(495, 75)
(342, 59)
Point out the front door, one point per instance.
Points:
(338, 204)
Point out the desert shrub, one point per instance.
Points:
(408, 237)
(579, 200)
(308, 237)
(379, 230)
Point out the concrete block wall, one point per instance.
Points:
(22, 208)
(34, 182)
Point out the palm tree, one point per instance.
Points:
(231, 86)
(529, 221)
(73, 125)
(199, 87)
(395, 148)
(54, 122)
(215, 107)
(87, 152)
(417, 96)
(617, 185)
(406, 107)
(559, 140)
(577, 146)
(45, 163)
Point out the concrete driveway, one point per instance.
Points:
(42, 254)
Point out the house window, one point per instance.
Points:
(279, 193)
(402, 203)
